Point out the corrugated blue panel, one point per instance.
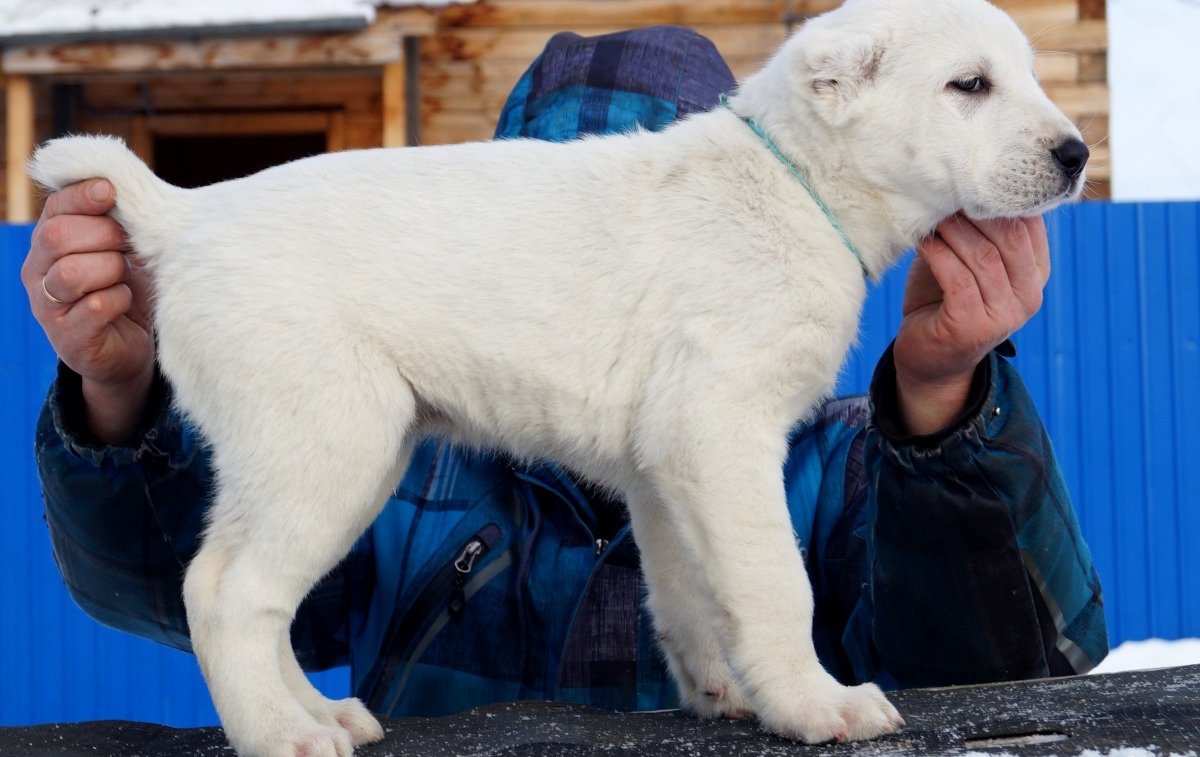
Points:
(1112, 361)
(57, 664)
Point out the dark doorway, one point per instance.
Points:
(197, 161)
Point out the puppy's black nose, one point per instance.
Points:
(1071, 157)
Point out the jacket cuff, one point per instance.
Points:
(981, 399)
(66, 407)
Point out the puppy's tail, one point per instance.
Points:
(144, 203)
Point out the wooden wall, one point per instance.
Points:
(478, 51)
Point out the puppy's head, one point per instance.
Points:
(937, 100)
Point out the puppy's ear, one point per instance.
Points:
(837, 67)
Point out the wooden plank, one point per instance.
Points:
(1095, 129)
(1093, 9)
(558, 14)
(19, 131)
(335, 132)
(238, 122)
(372, 47)
(377, 44)
(1093, 67)
(1057, 67)
(1099, 167)
(1088, 35)
(758, 40)
(463, 85)
(363, 133)
(348, 89)
(394, 83)
(1066, 9)
(1080, 100)
(451, 127)
(141, 141)
(1035, 21)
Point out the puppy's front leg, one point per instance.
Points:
(682, 615)
(727, 501)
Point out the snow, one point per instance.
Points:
(1152, 60)
(1127, 751)
(32, 18)
(1149, 654)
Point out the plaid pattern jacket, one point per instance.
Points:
(935, 560)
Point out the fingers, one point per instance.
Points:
(91, 198)
(65, 260)
(85, 329)
(958, 285)
(1009, 259)
(75, 275)
(87, 322)
(981, 256)
(59, 236)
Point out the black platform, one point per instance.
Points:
(1145, 709)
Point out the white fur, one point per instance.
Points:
(654, 311)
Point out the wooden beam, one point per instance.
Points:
(19, 122)
(524, 44)
(394, 82)
(238, 122)
(141, 140)
(1092, 9)
(559, 14)
(1089, 35)
(335, 135)
(375, 46)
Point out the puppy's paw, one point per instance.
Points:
(318, 742)
(831, 712)
(720, 698)
(868, 713)
(302, 737)
(706, 684)
(358, 721)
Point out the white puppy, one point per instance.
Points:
(654, 311)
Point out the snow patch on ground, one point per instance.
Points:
(1128, 751)
(1150, 654)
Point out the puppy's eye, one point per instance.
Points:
(972, 84)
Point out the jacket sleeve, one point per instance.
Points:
(948, 559)
(124, 522)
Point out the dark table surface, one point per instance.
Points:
(1158, 711)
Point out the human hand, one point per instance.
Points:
(93, 304)
(972, 285)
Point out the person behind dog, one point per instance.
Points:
(937, 530)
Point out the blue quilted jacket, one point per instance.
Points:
(934, 560)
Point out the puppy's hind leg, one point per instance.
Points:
(350, 713)
(297, 485)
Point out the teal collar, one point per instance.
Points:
(799, 175)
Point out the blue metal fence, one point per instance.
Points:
(1112, 362)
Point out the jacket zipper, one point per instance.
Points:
(471, 552)
(449, 582)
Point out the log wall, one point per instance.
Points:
(470, 57)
